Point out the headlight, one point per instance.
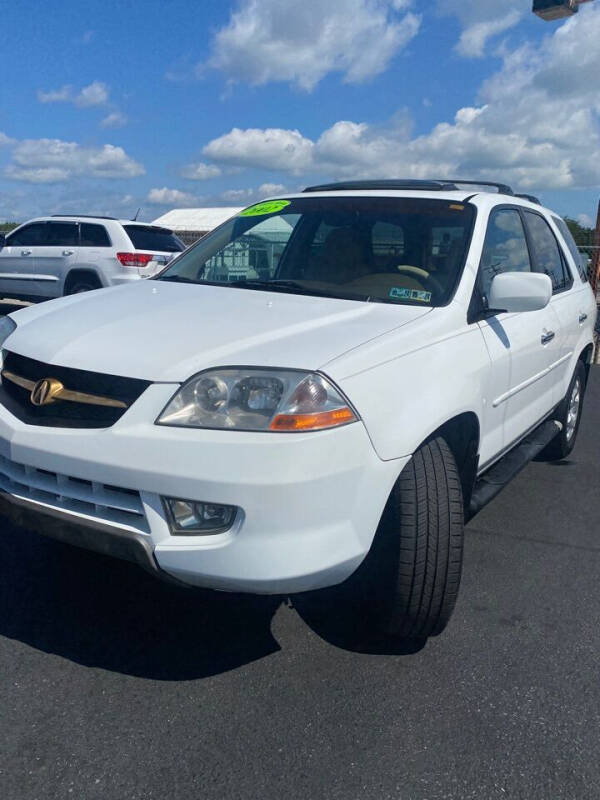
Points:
(7, 326)
(254, 399)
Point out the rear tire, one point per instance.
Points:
(83, 283)
(569, 415)
(408, 584)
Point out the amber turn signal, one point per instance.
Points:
(313, 422)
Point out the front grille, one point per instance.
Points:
(66, 413)
(98, 501)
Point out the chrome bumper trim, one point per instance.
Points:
(85, 533)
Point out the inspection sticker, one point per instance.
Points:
(262, 209)
(410, 294)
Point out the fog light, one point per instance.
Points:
(187, 517)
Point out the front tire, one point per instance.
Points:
(409, 582)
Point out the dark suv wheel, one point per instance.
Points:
(81, 282)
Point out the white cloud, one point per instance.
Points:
(200, 171)
(62, 95)
(586, 221)
(273, 148)
(302, 42)
(237, 195)
(96, 94)
(481, 20)
(116, 119)
(53, 161)
(171, 197)
(536, 125)
(24, 201)
(5, 141)
(473, 39)
(268, 189)
(36, 174)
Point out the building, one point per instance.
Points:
(190, 224)
(254, 254)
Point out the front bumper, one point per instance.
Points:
(92, 535)
(310, 502)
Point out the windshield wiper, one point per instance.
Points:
(277, 285)
(295, 286)
(176, 279)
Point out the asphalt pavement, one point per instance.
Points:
(115, 686)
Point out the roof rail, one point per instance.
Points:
(84, 216)
(530, 197)
(425, 186)
(503, 188)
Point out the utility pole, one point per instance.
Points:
(595, 267)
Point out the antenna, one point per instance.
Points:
(136, 214)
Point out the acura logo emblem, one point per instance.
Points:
(45, 391)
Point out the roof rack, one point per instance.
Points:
(532, 198)
(424, 186)
(503, 188)
(84, 216)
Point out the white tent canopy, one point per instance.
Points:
(192, 223)
(196, 219)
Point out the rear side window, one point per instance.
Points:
(547, 255)
(61, 234)
(94, 235)
(146, 237)
(578, 258)
(28, 236)
(505, 248)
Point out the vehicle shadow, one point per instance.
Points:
(343, 627)
(101, 612)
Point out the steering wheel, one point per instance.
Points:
(421, 275)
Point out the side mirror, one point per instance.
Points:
(2, 240)
(520, 291)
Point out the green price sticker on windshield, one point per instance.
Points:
(262, 209)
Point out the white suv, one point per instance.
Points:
(52, 256)
(337, 380)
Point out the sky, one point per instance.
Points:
(109, 106)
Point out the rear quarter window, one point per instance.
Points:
(547, 253)
(147, 237)
(579, 259)
(94, 235)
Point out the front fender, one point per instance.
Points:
(403, 399)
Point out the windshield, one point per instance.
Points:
(390, 250)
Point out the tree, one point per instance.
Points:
(8, 226)
(584, 237)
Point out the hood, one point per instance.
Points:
(167, 332)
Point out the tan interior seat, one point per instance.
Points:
(343, 258)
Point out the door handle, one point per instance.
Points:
(25, 252)
(582, 318)
(547, 337)
(68, 252)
